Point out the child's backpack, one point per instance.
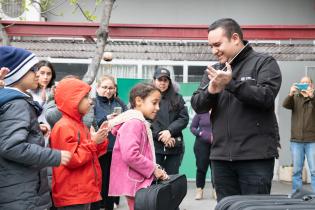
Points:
(164, 195)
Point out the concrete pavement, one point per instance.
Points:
(208, 203)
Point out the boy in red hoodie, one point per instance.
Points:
(78, 184)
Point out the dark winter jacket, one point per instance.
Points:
(103, 107)
(243, 119)
(201, 127)
(303, 120)
(173, 119)
(23, 157)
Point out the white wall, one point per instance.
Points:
(199, 11)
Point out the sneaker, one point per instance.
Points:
(199, 194)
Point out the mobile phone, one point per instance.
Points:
(301, 86)
(104, 125)
(117, 109)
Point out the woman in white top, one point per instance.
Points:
(46, 79)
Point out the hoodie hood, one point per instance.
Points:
(69, 93)
(9, 94)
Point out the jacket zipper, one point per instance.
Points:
(93, 163)
(228, 126)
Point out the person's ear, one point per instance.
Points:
(236, 38)
(138, 101)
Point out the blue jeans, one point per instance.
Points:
(299, 151)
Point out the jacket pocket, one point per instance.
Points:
(134, 176)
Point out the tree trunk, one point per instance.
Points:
(4, 36)
(101, 35)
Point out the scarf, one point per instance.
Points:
(134, 114)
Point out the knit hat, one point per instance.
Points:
(18, 60)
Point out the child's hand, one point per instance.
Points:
(99, 136)
(45, 129)
(65, 157)
(3, 72)
(160, 173)
(43, 94)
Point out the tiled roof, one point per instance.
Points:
(158, 50)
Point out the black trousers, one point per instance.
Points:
(202, 154)
(242, 177)
(170, 163)
(108, 201)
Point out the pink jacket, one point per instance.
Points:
(132, 164)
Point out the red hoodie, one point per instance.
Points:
(80, 181)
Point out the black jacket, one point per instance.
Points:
(103, 107)
(173, 119)
(23, 157)
(243, 118)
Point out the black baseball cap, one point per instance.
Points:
(161, 72)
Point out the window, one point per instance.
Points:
(64, 69)
(195, 73)
(118, 70)
(176, 71)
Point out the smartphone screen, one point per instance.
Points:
(117, 109)
(301, 86)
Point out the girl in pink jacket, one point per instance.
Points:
(133, 161)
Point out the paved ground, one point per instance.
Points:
(208, 203)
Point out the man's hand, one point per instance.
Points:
(308, 93)
(218, 78)
(3, 72)
(293, 90)
(65, 157)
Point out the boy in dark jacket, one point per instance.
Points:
(23, 157)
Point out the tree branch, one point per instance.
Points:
(102, 35)
(4, 36)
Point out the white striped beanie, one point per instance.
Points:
(18, 60)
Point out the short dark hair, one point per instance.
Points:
(141, 90)
(49, 65)
(229, 25)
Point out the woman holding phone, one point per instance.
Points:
(107, 106)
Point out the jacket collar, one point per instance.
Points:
(9, 94)
(243, 54)
(104, 99)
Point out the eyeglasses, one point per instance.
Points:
(108, 88)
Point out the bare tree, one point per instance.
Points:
(101, 35)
